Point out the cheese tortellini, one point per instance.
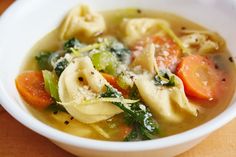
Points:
(200, 42)
(81, 21)
(169, 103)
(136, 28)
(147, 59)
(80, 82)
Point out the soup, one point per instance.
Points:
(127, 75)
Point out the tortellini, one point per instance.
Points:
(197, 42)
(146, 59)
(80, 82)
(169, 103)
(81, 21)
(137, 28)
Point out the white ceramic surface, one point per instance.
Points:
(27, 21)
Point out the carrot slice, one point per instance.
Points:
(124, 131)
(113, 82)
(31, 87)
(200, 78)
(168, 52)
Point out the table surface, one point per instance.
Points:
(18, 141)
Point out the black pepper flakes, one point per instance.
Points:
(66, 122)
(223, 80)
(216, 66)
(92, 72)
(71, 118)
(183, 28)
(231, 59)
(139, 11)
(55, 112)
(81, 79)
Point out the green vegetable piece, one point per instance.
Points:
(72, 43)
(118, 49)
(164, 79)
(55, 107)
(136, 114)
(121, 52)
(105, 61)
(123, 81)
(60, 67)
(51, 84)
(43, 60)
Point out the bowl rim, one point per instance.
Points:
(62, 137)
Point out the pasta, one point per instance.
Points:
(72, 92)
(82, 21)
(167, 103)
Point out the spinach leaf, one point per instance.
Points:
(122, 53)
(55, 107)
(72, 43)
(136, 114)
(43, 60)
(164, 79)
(60, 66)
(117, 48)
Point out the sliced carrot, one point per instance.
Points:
(200, 78)
(168, 52)
(31, 87)
(124, 131)
(113, 82)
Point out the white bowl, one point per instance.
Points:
(26, 22)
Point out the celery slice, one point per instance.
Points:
(51, 84)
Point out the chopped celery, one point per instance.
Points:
(122, 81)
(105, 61)
(51, 84)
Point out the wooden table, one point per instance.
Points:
(18, 141)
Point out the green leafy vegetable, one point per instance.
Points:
(43, 60)
(121, 52)
(72, 43)
(134, 94)
(60, 66)
(51, 84)
(136, 114)
(117, 48)
(164, 79)
(55, 107)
